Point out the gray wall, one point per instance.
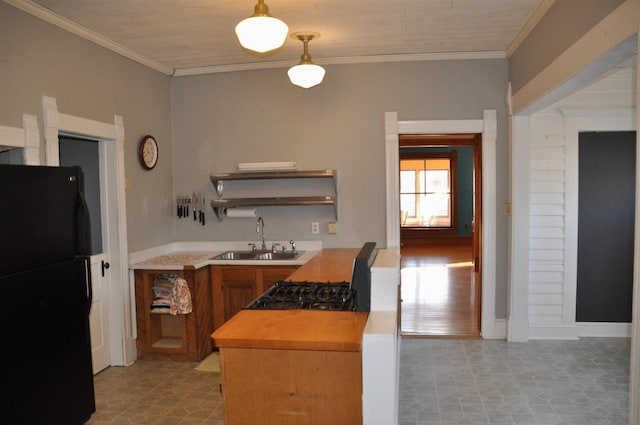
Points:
(37, 58)
(222, 119)
(564, 23)
(218, 120)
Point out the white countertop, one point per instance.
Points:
(176, 255)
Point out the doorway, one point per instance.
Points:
(492, 327)
(85, 153)
(440, 227)
(119, 293)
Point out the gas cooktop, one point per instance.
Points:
(307, 296)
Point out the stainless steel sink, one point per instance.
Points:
(235, 255)
(258, 255)
(278, 255)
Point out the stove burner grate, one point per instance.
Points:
(307, 295)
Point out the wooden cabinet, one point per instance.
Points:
(290, 387)
(183, 337)
(233, 287)
(239, 287)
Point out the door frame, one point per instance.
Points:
(24, 141)
(110, 137)
(487, 126)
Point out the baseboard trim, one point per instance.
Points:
(568, 332)
(599, 329)
(581, 330)
(497, 331)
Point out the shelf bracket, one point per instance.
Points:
(219, 187)
(219, 213)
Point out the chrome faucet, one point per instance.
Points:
(259, 228)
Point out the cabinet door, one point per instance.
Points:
(273, 274)
(233, 287)
(238, 289)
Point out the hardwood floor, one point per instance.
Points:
(439, 296)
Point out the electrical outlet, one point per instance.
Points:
(315, 227)
(332, 228)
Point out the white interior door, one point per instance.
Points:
(99, 316)
(87, 154)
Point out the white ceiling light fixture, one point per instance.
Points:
(261, 32)
(306, 74)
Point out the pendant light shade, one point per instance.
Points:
(261, 32)
(306, 74)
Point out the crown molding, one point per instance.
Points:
(215, 69)
(68, 25)
(72, 27)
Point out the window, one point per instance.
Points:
(427, 190)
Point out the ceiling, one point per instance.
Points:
(197, 36)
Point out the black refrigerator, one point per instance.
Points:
(45, 288)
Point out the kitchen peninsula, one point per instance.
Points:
(295, 366)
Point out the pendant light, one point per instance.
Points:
(261, 32)
(306, 74)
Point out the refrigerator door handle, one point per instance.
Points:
(83, 226)
(87, 271)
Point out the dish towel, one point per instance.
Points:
(181, 300)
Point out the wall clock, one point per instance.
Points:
(148, 152)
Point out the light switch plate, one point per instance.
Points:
(332, 228)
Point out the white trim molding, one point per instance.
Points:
(12, 136)
(415, 57)
(634, 385)
(31, 153)
(392, 158)
(560, 332)
(634, 370)
(487, 126)
(24, 142)
(51, 126)
(520, 209)
(604, 330)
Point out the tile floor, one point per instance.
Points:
(157, 393)
(442, 382)
(446, 382)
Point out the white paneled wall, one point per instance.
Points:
(605, 105)
(553, 220)
(547, 224)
